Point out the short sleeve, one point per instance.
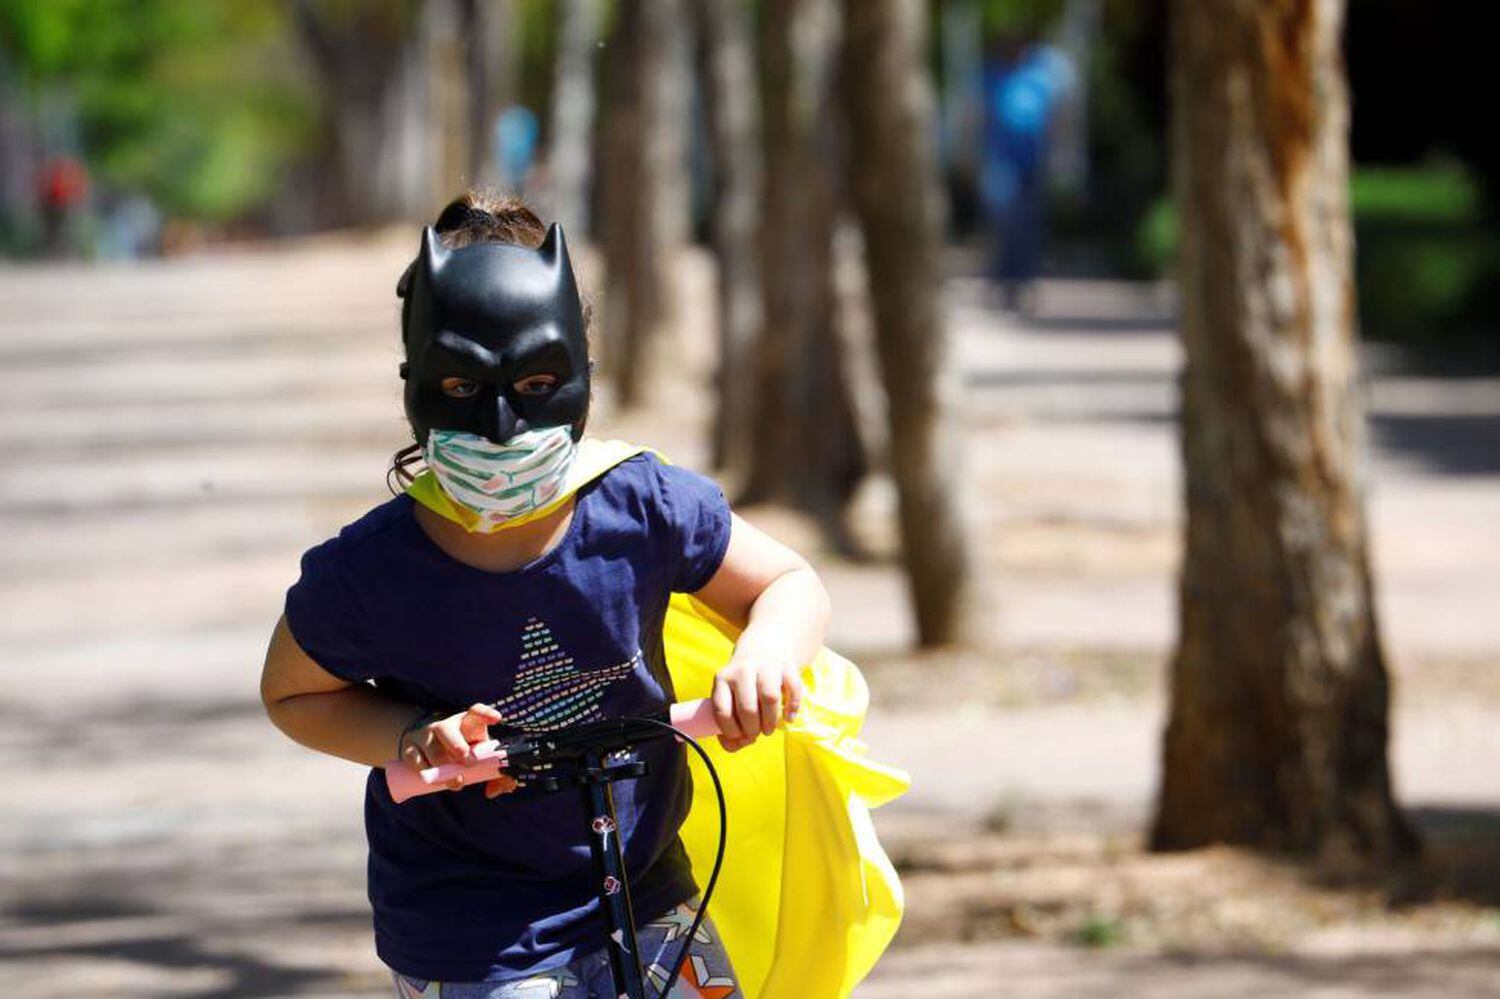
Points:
(324, 616)
(697, 517)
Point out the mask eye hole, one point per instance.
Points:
(535, 385)
(460, 388)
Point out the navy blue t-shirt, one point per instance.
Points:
(465, 888)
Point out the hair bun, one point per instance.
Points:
(461, 214)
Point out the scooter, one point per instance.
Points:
(591, 756)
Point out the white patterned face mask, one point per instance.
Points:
(500, 482)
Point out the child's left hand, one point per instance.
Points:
(751, 698)
(769, 591)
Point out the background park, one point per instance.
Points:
(1129, 369)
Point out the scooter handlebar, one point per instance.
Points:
(696, 718)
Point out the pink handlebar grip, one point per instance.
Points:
(696, 718)
(403, 782)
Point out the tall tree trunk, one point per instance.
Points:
(373, 63)
(725, 66)
(1068, 153)
(806, 448)
(442, 26)
(18, 152)
(489, 52)
(1278, 729)
(896, 189)
(637, 220)
(568, 159)
(961, 46)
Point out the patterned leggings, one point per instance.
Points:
(706, 972)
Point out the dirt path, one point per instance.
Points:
(177, 434)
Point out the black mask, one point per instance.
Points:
(493, 314)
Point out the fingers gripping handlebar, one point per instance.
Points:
(490, 759)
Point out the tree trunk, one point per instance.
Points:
(637, 219)
(896, 188)
(573, 115)
(18, 152)
(1078, 34)
(726, 70)
(1278, 730)
(805, 448)
(490, 53)
(372, 61)
(450, 98)
(961, 47)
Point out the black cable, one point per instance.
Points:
(713, 877)
(718, 857)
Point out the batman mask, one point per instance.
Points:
(494, 314)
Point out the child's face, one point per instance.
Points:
(495, 341)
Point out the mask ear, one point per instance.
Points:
(403, 284)
(554, 249)
(434, 254)
(405, 370)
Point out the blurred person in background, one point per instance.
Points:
(130, 227)
(63, 190)
(514, 147)
(1023, 81)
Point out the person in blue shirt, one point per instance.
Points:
(1023, 82)
(523, 577)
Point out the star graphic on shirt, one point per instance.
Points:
(549, 691)
(694, 980)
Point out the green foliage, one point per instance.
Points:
(1423, 255)
(195, 103)
(1442, 193)
(1018, 17)
(1100, 931)
(1156, 238)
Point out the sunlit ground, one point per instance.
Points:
(176, 434)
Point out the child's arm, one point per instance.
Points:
(355, 722)
(770, 591)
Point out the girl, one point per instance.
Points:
(524, 577)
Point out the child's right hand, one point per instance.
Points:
(448, 740)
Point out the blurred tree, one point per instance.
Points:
(896, 190)
(198, 105)
(489, 49)
(1278, 728)
(568, 155)
(805, 448)
(372, 62)
(634, 171)
(725, 67)
(446, 61)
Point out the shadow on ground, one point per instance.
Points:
(1459, 862)
(166, 950)
(1450, 444)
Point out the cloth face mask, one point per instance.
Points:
(500, 482)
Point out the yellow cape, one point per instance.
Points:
(807, 900)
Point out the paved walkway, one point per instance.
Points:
(175, 434)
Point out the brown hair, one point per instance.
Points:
(478, 216)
